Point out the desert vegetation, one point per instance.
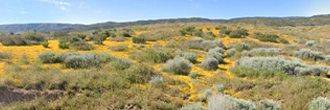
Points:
(192, 66)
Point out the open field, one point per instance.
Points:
(167, 66)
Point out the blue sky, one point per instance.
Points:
(95, 11)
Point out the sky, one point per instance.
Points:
(97, 11)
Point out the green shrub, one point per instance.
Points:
(137, 73)
(231, 52)
(267, 37)
(308, 54)
(118, 39)
(82, 45)
(242, 46)
(219, 88)
(284, 41)
(63, 45)
(121, 64)
(235, 34)
(216, 55)
(263, 52)
(327, 59)
(48, 57)
(4, 55)
(125, 34)
(104, 57)
(121, 47)
(139, 40)
(210, 63)
(192, 107)
(187, 55)
(193, 75)
(320, 104)
(156, 81)
(311, 44)
(218, 49)
(179, 66)
(226, 102)
(225, 31)
(75, 39)
(81, 36)
(319, 70)
(152, 55)
(45, 44)
(188, 31)
(85, 60)
(269, 105)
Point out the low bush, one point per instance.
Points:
(81, 45)
(160, 35)
(219, 102)
(219, 88)
(319, 70)
(216, 55)
(319, 104)
(45, 44)
(187, 55)
(75, 39)
(235, 34)
(225, 31)
(152, 55)
(139, 40)
(137, 73)
(193, 75)
(85, 60)
(81, 36)
(311, 44)
(63, 45)
(192, 107)
(4, 55)
(242, 46)
(118, 39)
(263, 52)
(121, 64)
(187, 31)
(269, 105)
(218, 49)
(179, 66)
(267, 37)
(156, 81)
(256, 66)
(231, 52)
(48, 57)
(208, 44)
(121, 47)
(327, 59)
(308, 54)
(210, 63)
(284, 41)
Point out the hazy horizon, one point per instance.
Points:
(91, 12)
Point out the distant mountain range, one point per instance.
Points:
(317, 20)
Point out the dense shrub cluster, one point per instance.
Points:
(188, 31)
(63, 45)
(81, 45)
(75, 60)
(187, 55)
(242, 46)
(291, 67)
(238, 33)
(212, 59)
(225, 31)
(199, 43)
(192, 107)
(269, 38)
(219, 102)
(139, 40)
(121, 47)
(160, 35)
(308, 54)
(152, 55)
(263, 52)
(12, 40)
(4, 55)
(269, 105)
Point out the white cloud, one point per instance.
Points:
(63, 8)
(24, 12)
(56, 2)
